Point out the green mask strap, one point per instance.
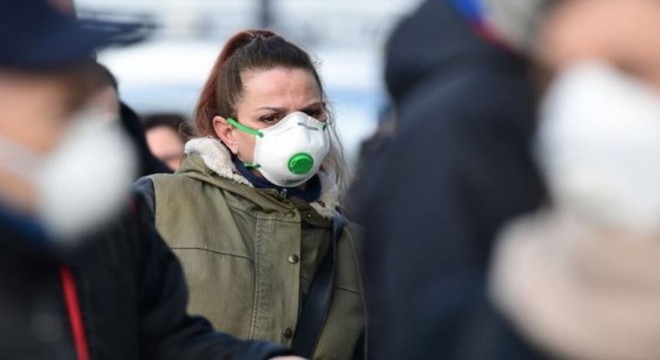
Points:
(251, 166)
(245, 129)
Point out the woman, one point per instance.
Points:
(253, 212)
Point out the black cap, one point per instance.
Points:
(36, 36)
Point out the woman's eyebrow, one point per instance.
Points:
(282, 109)
(272, 108)
(314, 104)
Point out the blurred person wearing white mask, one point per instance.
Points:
(83, 275)
(581, 279)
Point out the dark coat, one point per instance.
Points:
(435, 195)
(147, 163)
(131, 294)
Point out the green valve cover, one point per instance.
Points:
(301, 163)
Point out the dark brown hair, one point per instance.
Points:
(246, 50)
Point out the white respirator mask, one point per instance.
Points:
(599, 146)
(83, 181)
(290, 152)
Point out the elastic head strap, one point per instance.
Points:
(245, 129)
(252, 166)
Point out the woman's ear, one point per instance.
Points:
(225, 133)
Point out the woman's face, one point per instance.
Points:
(166, 145)
(268, 96)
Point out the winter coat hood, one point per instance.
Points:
(449, 42)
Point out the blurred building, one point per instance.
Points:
(313, 22)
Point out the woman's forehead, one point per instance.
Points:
(279, 87)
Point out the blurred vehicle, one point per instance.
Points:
(167, 75)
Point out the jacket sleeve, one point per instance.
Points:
(145, 187)
(166, 330)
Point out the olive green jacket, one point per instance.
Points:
(249, 254)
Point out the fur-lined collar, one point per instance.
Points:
(217, 158)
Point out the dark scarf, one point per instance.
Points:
(311, 193)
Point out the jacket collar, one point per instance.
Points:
(217, 159)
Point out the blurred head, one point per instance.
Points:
(625, 33)
(517, 21)
(258, 79)
(36, 111)
(598, 143)
(166, 135)
(47, 73)
(37, 106)
(59, 158)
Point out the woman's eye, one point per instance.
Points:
(269, 119)
(317, 114)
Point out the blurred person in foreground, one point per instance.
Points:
(81, 275)
(461, 76)
(166, 135)
(581, 277)
(255, 206)
(106, 92)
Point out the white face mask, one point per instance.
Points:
(84, 181)
(290, 152)
(599, 146)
